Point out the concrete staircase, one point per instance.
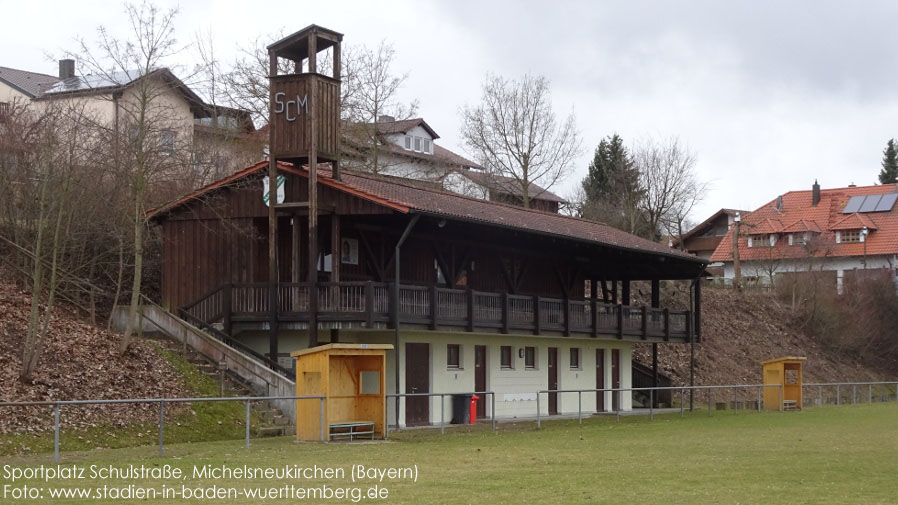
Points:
(272, 422)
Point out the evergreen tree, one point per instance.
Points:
(610, 159)
(612, 192)
(889, 172)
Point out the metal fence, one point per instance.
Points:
(57, 405)
(835, 393)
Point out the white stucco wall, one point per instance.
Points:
(8, 94)
(839, 264)
(515, 389)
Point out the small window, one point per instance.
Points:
(760, 241)
(426, 146)
(453, 356)
(408, 142)
(575, 357)
(418, 144)
(530, 357)
(369, 383)
(4, 108)
(167, 142)
(505, 357)
(851, 236)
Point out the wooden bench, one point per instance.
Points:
(352, 429)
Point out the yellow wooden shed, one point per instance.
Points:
(785, 372)
(352, 379)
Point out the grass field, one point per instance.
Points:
(838, 455)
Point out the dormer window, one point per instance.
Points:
(848, 237)
(425, 146)
(418, 144)
(761, 240)
(408, 142)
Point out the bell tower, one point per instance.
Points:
(303, 119)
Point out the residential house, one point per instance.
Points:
(703, 239)
(217, 137)
(840, 231)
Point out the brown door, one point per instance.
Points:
(553, 380)
(417, 380)
(615, 378)
(600, 379)
(480, 378)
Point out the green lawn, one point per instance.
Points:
(838, 455)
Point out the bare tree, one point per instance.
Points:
(148, 132)
(515, 134)
(668, 179)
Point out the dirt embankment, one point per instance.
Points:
(741, 330)
(79, 362)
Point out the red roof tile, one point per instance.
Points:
(797, 213)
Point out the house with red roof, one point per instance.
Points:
(840, 231)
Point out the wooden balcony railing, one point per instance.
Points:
(369, 304)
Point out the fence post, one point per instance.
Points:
(896, 391)
(838, 395)
(442, 415)
(819, 396)
(682, 405)
(579, 407)
(735, 400)
(781, 397)
(870, 394)
(321, 411)
(161, 420)
(651, 403)
(619, 404)
(538, 422)
(760, 388)
(56, 432)
(493, 408)
(709, 401)
(247, 424)
(853, 394)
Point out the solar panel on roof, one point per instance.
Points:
(869, 204)
(887, 202)
(853, 205)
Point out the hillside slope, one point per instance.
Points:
(741, 330)
(79, 362)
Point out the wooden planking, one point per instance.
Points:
(291, 139)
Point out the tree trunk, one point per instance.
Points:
(118, 281)
(126, 341)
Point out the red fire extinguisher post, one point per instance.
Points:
(473, 414)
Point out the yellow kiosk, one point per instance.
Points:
(785, 372)
(351, 377)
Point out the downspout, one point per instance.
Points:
(405, 234)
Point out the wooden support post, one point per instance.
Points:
(433, 307)
(537, 324)
(226, 308)
(656, 303)
(666, 313)
(614, 292)
(620, 321)
(645, 322)
(697, 328)
(506, 307)
(594, 316)
(625, 292)
(313, 195)
(296, 260)
(369, 304)
(469, 295)
(394, 305)
(336, 245)
(566, 306)
(272, 241)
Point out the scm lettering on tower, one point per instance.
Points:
(301, 104)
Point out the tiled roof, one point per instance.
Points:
(510, 185)
(403, 126)
(31, 83)
(854, 221)
(405, 197)
(798, 215)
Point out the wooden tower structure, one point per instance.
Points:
(304, 115)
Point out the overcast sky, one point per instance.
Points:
(768, 95)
